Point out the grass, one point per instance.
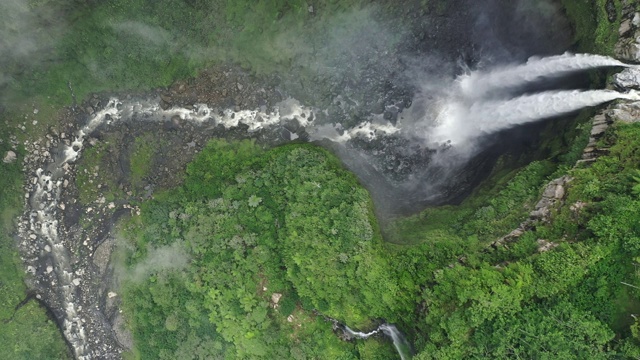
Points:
(593, 31)
(141, 160)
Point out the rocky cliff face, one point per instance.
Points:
(553, 195)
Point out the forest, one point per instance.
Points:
(260, 246)
(250, 223)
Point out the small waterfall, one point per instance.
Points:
(480, 83)
(399, 341)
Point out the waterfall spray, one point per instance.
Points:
(459, 122)
(478, 84)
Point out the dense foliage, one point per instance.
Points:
(248, 224)
(263, 238)
(574, 301)
(206, 263)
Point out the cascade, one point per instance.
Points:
(480, 83)
(399, 341)
(459, 121)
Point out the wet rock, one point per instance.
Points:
(612, 13)
(626, 112)
(9, 157)
(166, 98)
(629, 78)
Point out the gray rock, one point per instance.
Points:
(625, 27)
(598, 130)
(9, 157)
(627, 112)
(629, 78)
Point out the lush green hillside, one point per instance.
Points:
(520, 300)
(244, 259)
(239, 258)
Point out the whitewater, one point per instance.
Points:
(482, 102)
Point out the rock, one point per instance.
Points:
(559, 194)
(166, 98)
(627, 112)
(111, 294)
(240, 86)
(275, 298)
(612, 12)
(628, 78)
(545, 245)
(9, 157)
(598, 130)
(579, 205)
(49, 269)
(76, 281)
(625, 27)
(47, 248)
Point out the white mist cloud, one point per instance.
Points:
(28, 34)
(167, 258)
(148, 33)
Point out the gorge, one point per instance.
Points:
(205, 218)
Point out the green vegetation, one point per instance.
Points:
(484, 216)
(521, 301)
(26, 331)
(141, 160)
(247, 225)
(240, 261)
(594, 31)
(124, 45)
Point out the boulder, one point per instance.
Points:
(628, 78)
(9, 157)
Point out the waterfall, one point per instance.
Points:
(459, 121)
(399, 341)
(480, 83)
